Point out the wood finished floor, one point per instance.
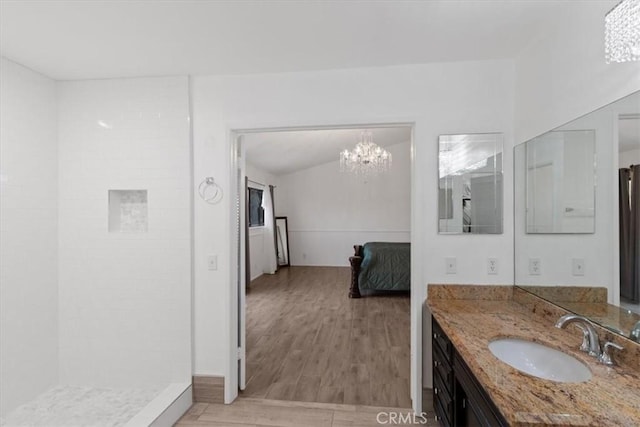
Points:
(250, 412)
(307, 341)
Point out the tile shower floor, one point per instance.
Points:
(69, 406)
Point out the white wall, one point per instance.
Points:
(462, 97)
(256, 252)
(630, 157)
(29, 243)
(329, 211)
(125, 298)
(257, 239)
(562, 75)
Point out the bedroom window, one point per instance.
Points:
(256, 211)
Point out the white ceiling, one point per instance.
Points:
(88, 39)
(280, 153)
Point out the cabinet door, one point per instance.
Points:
(465, 411)
(472, 405)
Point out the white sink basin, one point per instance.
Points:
(539, 360)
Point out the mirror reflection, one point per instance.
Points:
(470, 184)
(591, 302)
(629, 208)
(560, 182)
(596, 275)
(282, 241)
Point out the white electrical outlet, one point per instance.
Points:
(535, 266)
(451, 265)
(492, 265)
(212, 262)
(578, 266)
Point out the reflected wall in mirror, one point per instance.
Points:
(282, 241)
(591, 302)
(584, 273)
(560, 182)
(470, 184)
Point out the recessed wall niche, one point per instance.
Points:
(128, 211)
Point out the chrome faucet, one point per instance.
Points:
(635, 332)
(590, 341)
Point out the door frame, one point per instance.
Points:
(237, 321)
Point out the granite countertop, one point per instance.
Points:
(610, 398)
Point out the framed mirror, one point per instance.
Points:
(580, 248)
(282, 241)
(470, 184)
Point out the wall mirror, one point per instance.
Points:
(282, 241)
(580, 248)
(560, 182)
(470, 184)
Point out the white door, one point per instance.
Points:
(240, 215)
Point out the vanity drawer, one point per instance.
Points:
(442, 401)
(443, 368)
(442, 340)
(441, 416)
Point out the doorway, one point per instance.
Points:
(316, 344)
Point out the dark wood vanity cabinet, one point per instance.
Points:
(443, 379)
(458, 399)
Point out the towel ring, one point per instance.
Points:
(209, 191)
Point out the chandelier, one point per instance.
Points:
(366, 158)
(622, 32)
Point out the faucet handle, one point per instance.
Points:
(605, 357)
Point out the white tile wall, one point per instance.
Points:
(124, 297)
(28, 226)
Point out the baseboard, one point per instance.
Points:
(208, 389)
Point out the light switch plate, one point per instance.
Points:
(451, 265)
(578, 266)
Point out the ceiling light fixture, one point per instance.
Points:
(366, 158)
(622, 32)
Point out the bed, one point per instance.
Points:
(380, 266)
